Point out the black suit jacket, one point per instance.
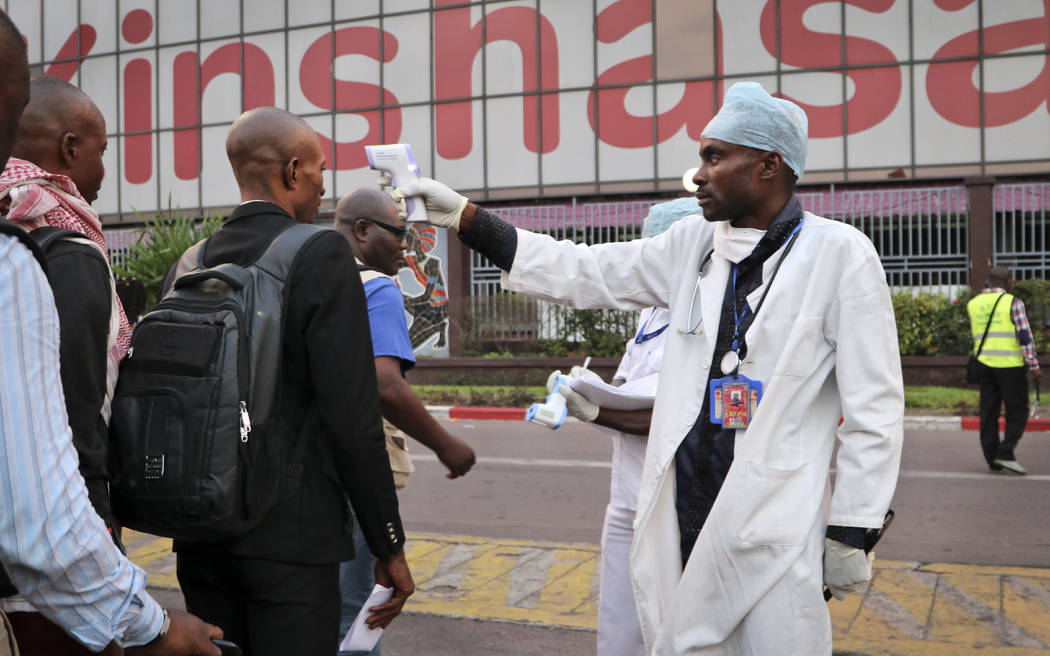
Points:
(327, 393)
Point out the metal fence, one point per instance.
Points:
(119, 241)
(500, 316)
(1020, 238)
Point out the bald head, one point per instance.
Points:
(364, 203)
(14, 84)
(62, 131)
(375, 227)
(276, 156)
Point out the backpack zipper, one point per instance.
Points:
(246, 422)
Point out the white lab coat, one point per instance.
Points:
(825, 345)
(619, 633)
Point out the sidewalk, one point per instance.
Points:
(911, 422)
(908, 609)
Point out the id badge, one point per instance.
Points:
(734, 400)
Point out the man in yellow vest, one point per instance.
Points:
(1008, 350)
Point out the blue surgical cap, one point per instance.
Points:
(751, 117)
(662, 215)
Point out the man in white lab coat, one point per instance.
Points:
(781, 324)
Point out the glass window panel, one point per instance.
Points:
(407, 74)
(101, 15)
(940, 139)
(880, 36)
(943, 33)
(572, 161)
(820, 94)
(220, 18)
(176, 21)
(138, 25)
(512, 124)
(887, 143)
(625, 130)
(1018, 125)
(269, 14)
(459, 160)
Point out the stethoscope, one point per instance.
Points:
(696, 290)
(736, 316)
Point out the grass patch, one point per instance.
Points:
(942, 400)
(499, 396)
(945, 399)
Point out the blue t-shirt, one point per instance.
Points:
(386, 314)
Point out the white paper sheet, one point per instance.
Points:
(360, 637)
(634, 395)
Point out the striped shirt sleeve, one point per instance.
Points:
(1024, 333)
(52, 543)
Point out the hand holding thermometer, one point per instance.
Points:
(552, 412)
(399, 163)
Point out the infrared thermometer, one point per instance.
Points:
(551, 413)
(398, 161)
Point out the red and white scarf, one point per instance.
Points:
(33, 198)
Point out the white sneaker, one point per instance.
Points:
(1012, 466)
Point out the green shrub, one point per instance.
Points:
(164, 239)
(931, 324)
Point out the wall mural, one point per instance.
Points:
(427, 309)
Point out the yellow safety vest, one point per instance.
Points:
(1001, 349)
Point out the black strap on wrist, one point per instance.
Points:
(492, 237)
(851, 535)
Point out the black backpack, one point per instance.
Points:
(199, 449)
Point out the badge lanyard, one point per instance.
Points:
(643, 337)
(734, 398)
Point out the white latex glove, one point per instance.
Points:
(444, 206)
(845, 567)
(577, 404)
(579, 372)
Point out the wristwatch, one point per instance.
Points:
(164, 626)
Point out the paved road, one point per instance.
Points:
(553, 485)
(515, 541)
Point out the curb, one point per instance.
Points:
(911, 422)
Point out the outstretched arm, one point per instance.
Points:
(623, 275)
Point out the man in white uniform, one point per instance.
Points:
(619, 633)
(781, 325)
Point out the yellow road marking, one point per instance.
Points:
(1027, 612)
(953, 623)
(910, 609)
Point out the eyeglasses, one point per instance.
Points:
(401, 233)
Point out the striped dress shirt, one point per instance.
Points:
(52, 543)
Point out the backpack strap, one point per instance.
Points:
(281, 254)
(46, 236)
(16, 231)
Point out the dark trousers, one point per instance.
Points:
(1002, 386)
(268, 608)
